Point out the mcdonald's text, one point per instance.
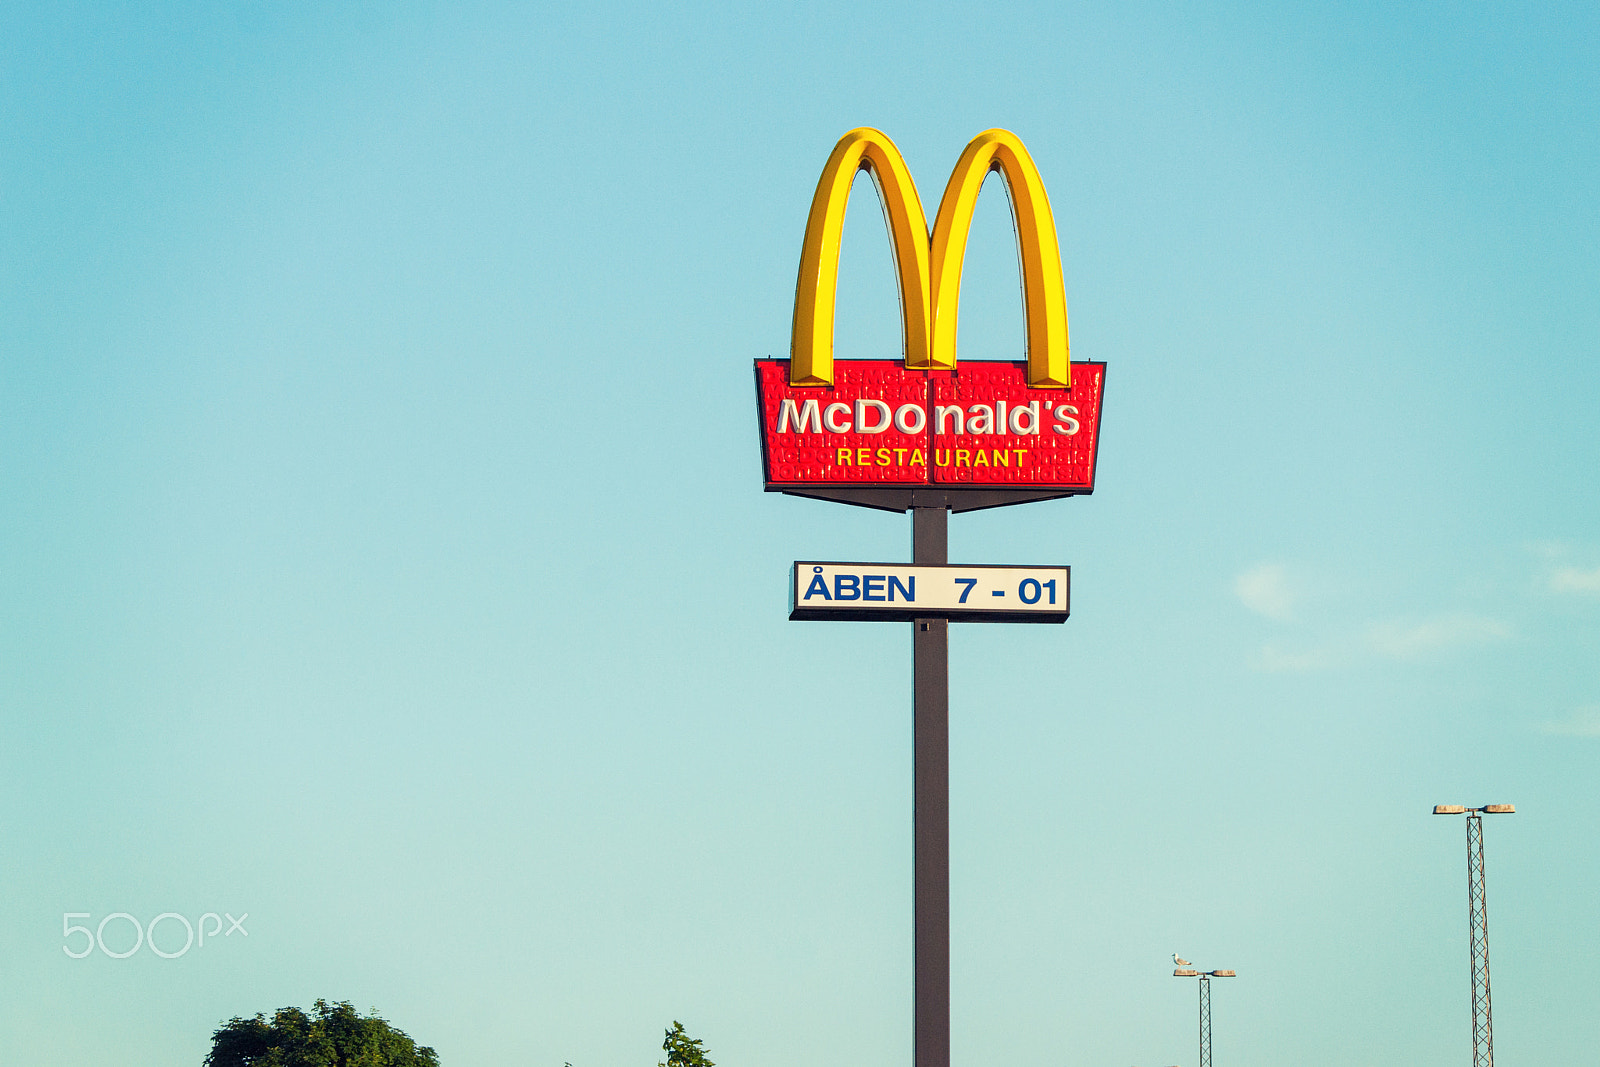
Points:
(980, 424)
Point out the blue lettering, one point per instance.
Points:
(817, 586)
(846, 584)
(907, 592)
(874, 584)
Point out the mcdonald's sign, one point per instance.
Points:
(927, 429)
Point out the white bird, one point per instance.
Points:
(1181, 962)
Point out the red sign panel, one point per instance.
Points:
(880, 424)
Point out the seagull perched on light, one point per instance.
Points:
(1180, 961)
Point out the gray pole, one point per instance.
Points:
(1205, 1021)
(930, 543)
(1478, 925)
(1478, 929)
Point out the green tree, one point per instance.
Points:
(334, 1035)
(683, 1050)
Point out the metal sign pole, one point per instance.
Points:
(930, 594)
(930, 541)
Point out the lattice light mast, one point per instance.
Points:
(1205, 1003)
(1478, 926)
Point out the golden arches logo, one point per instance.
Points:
(928, 266)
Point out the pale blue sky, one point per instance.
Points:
(382, 549)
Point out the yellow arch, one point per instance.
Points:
(929, 269)
(811, 351)
(1044, 296)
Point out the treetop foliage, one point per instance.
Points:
(334, 1035)
(683, 1050)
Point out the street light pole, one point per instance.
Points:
(1478, 926)
(1205, 1005)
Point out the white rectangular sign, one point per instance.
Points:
(896, 592)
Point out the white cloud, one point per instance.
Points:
(1442, 632)
(1551, 550)
(1585, 722)
(1575, 580)
(1265, 590)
